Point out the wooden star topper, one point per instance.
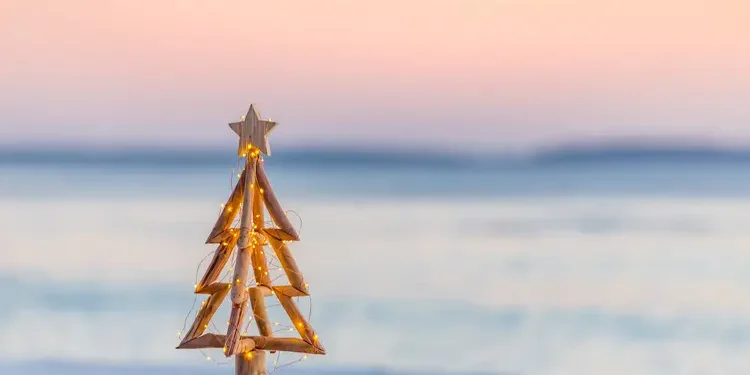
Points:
(253, 132)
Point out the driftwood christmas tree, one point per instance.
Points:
(251, 194)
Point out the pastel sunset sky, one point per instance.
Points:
(487, 73)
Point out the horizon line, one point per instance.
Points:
(377, 157)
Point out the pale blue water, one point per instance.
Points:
(616, 267)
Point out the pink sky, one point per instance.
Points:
(465, 72)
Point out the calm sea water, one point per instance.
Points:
(604, 268)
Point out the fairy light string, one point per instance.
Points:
(273, 265)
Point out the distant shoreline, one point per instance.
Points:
(339, 157)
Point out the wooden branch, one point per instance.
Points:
(246, 345)
(226, 235)
(213, 288)
(206, 341)
(230, 210)
(214, 341)
(258, 215)
(221, 256)
(205, 313)
(267, 292)
(241, 271)
(242, 263)
(298, 320)
(239, 292)
(290, 291)
(260, 264)
(234, 329)
(260, 312)
(286, 344)
(249, 343)
(278, 234)
(289, 264)
(274, 207)
(250, 363)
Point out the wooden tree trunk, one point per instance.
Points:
(253, 364)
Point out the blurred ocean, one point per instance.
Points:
(603, 263)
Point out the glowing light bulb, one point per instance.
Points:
(208, 358)
(249, 355)
(304, 357)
